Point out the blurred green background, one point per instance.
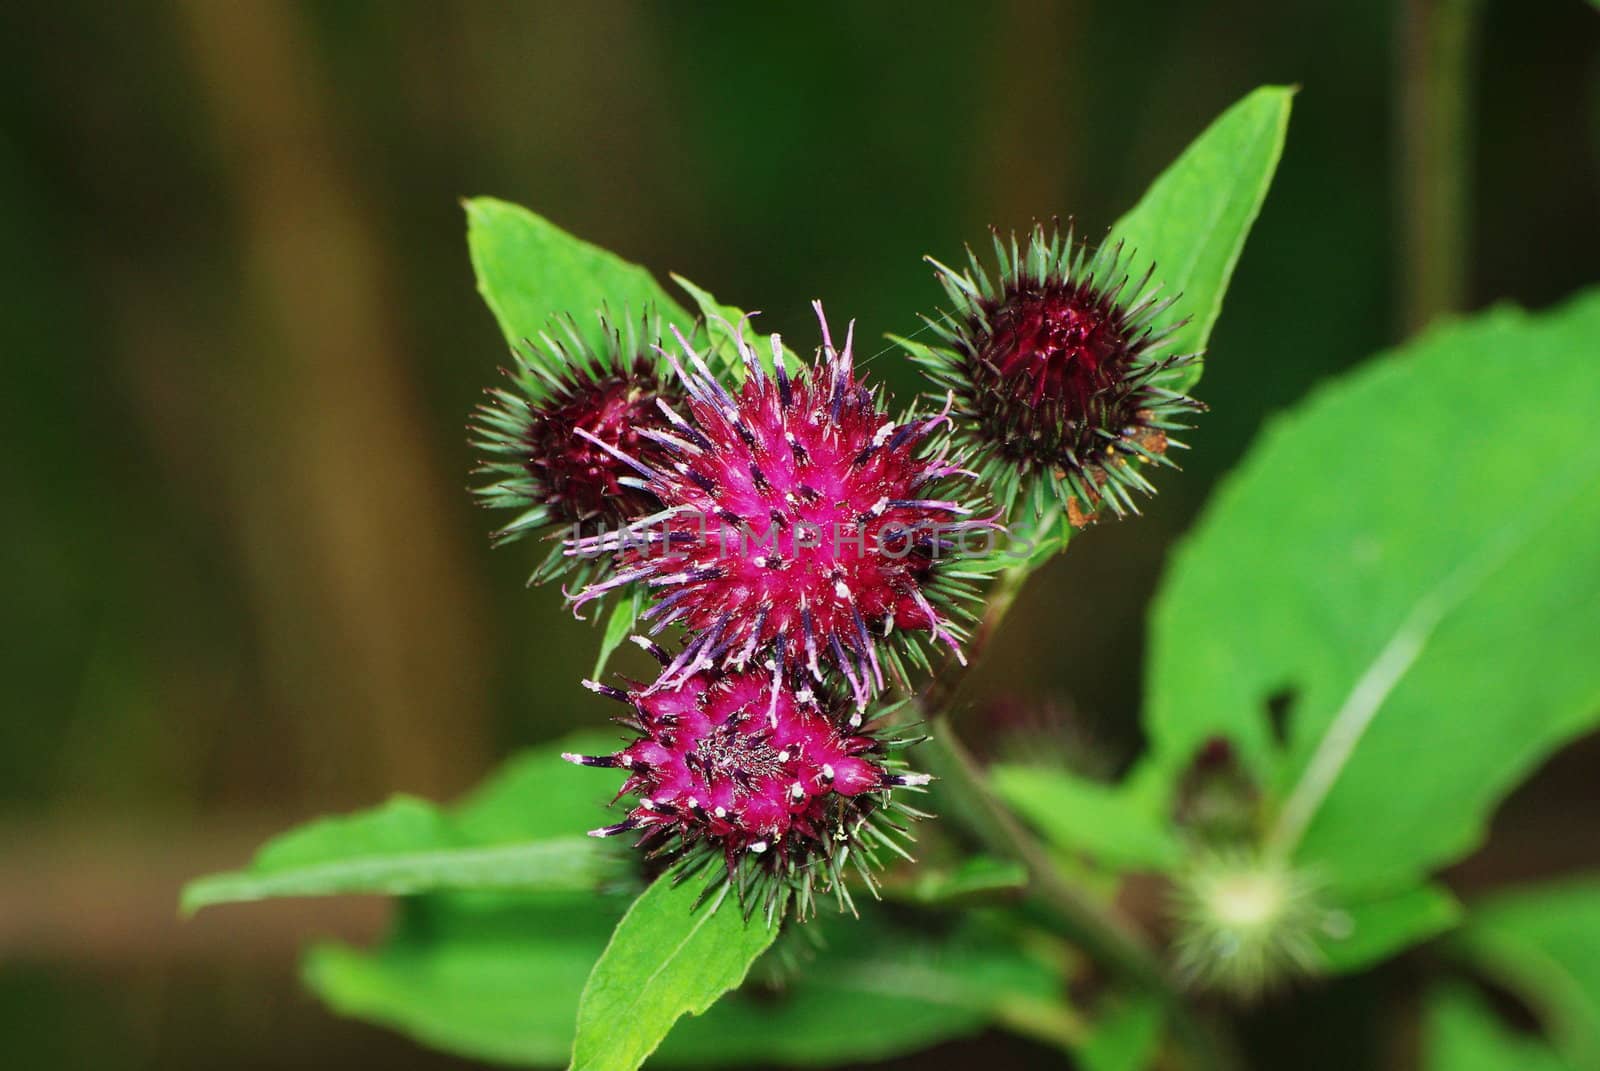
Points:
(244, 583)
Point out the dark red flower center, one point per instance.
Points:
(1057, 346)
(584, 479)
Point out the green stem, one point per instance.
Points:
(1103, 934)
(1433, 129)
(941, 690)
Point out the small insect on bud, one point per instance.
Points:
(545, 437)
(1063, 383)
(1247, 924)
(764, 789)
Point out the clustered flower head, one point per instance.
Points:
(1064, 387)
(776, 782)
(811, 550)
(800, 524)
(543, 434)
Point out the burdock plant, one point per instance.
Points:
(551, 438)
(800, 525)
(1062, 369)
(1343, 679)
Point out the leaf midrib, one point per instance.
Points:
(253, 886)
(1400, 653)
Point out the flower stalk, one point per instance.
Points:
(1098, 930)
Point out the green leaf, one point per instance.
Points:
(505, 836)
(1109, 823)
(975, 877)
(722, 325)
(498, 977)
(878, 989)
(1544, 942)
(1194, 219)
(1462, 1033)
(1374, 929)
(1127, 1037)
(1398, 556)
(669, 956)
(619, 626)
(489, 976)
(403, 847)
(529, 270)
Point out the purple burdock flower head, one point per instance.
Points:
(800, 524)
(767, 778)
(1063, 385)
(545, 438)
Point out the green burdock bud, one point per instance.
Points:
(1062, 381)
(549, 440)
(1247, 924)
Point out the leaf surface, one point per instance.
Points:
(521, 831)
(1461, 1032)
(1409, 555)
(1108, 823)
(529, 270)
(1544, 943)
(668, 957)
(1193, 221)
(1376, 928)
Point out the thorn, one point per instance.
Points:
(604, 761)
(653, 649)
(607, 690)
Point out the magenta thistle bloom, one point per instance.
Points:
(530, 433)
(800, 524)
(765, 777)
(1062, 382)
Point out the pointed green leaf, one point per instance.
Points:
(722, 324)
(403, 847)
(1111, 824)
(1544, 943)
(669, 956)
(873, 990)
(619, 626)
(489, 976)
(1376, 928)
(1193, 221)
(1127, 1037)
(975, 877)
(497, 977)
(529, 270)
(1461, 1032)
(1409, 556)
(523, 830)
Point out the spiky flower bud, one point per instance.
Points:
(768, 779)
(1248, 923)
(1062, 380)
(542, 435)
(800, 524)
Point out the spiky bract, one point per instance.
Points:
(765, 783)
(542, 466)
(800, 525)
(1062, 381)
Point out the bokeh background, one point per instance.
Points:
(243, 582)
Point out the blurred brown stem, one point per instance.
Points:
(1433, 155)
